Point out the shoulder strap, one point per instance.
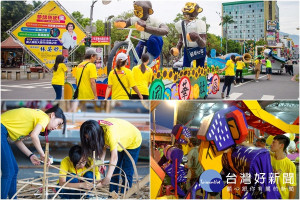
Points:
(122, 84)
(81, 74)
(184, 34)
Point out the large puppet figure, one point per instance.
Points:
(151, 29)
(192, 35)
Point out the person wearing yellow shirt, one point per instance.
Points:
(109, 133)
(284, 167)
(268, 68)
(87, 86)
(229, 75)
(142, 75)
(239, 70)
(17, 125)
(58, 80)
(76, 164)
(257, 68)
(119, 91)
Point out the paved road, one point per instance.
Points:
(279, 87)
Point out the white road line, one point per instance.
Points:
(248, 81)
(4, 90)
(267, 97)
(36, 83)
(234, 96)
(47, 87)
(18, 86)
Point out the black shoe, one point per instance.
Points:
(222, 95)
(227, 96)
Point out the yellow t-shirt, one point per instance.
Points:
(59, 75)
(257, 64)
(126, 78)
(20, 122)
(85, 89)
(240, 65)
(142, 79)
(285, 167)
(67, 166)
(230, 69)
(119, 130)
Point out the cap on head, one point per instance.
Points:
(90, 52)
(122, 57)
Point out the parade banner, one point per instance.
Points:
(49, 32)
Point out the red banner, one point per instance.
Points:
(100, 40)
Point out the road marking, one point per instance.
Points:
(234, 96)
(35, 83)
(47, 87)
(241, 84)
(18, 86)
(267, 97)
(4, 90)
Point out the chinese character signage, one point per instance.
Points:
(271, 38)
(49, 32)
(100, 40)
(271, 25)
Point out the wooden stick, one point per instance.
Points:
(142, 183)
(45, 170)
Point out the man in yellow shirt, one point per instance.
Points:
(87, 86)
(239, 70)
(283, 167)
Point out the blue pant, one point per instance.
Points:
(58, 91)
(9, 167)
(124, 163)
(88, 174)
(187, 63)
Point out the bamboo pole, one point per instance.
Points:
(45, 170)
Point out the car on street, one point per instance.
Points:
(36, 68)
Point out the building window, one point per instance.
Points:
(230, 13)
(248, 31)
(249, 6)
(235, 27)
(261, 10)
(241, 17)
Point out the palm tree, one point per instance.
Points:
(225, 21)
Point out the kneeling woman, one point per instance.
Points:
(19, 124)
(97, 136)
(75, 163)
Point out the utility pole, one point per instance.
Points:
(91, 17)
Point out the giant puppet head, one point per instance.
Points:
(191, 10)
(142, 9)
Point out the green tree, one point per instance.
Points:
(12, 12)
(80, 19)
(170, 41)
(225, 21)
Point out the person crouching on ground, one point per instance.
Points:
(76, 164)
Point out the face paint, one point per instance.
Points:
(138, 11)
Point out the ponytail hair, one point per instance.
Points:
(120, 63)
(59, 59)
(58, 114)
(145, 58)
(232, 57)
